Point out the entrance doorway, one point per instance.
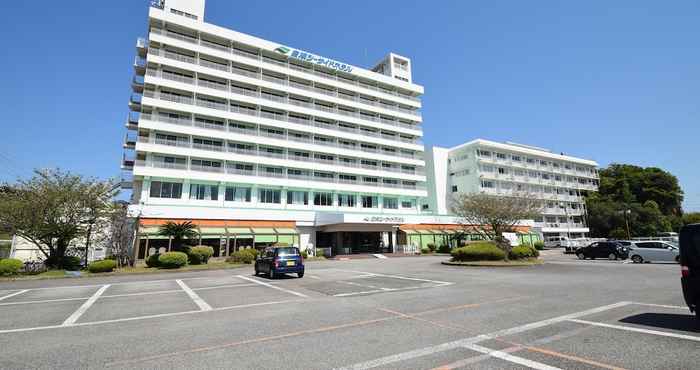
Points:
(354, 242)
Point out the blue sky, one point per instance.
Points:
(614, 81)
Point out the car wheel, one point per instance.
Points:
(257, 272)
(581, 256)
(637, 259)
(301, 274)
(612, 256)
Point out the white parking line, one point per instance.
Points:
(660, 305)
(510, 358)
(90, 323)
(13, 294)
(204, 306)
(372, 274)
(125, 294)
(273, 287)
(637, 330)
(387, 360)
(81, 310)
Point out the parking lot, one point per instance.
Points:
(392, 313)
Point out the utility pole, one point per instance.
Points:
(627, 224)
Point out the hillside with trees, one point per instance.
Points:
(644, 200)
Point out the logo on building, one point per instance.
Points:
(315, 59)
(160, 4)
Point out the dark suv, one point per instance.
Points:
(280, 260)
(689, 243)
(609, 250)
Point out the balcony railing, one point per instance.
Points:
(249, 111)
(317, 73)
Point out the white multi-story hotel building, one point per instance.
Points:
(259, 142)
(506, 169)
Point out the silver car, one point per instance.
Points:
(653, 251)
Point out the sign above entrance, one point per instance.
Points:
(385, 219)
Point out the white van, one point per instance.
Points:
(557, 242)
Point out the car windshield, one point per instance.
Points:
(287, 252)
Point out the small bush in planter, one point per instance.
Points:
(304, 254)
(152, 260)
(521, 252)
(241, 256)
(200, 254)
(425, 250)
(10, 266)
(252, 251)
(172, 260)
(539, 245)
(480, 251)
(102, 266)
(432, 247)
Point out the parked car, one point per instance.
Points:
(556, 242)
(280, 260)
(610, 250)
(690, 266)
(653, 251)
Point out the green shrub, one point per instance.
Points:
(444, 248)
(252, 251)
(535, 252)
(521, 252)
(320, 252)
(539, 245)
(199, 254)
(432, 247)
(102, 266)
(480, 251)
(152, 260)
(425, 250)
(10, 266)
(241, 256)
(172, 260)
(304, 254)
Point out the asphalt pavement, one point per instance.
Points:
(394, 313)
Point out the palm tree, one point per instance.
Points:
(178, 232)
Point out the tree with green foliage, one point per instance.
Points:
(691, 218)
(179, 231)
(645, 201)
(52, 209)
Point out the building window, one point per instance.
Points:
(237, 194)
(297, 197)
(500, 156)
(502, 170)
(346, 200)
(407, 204)
(454, 188)
(369, 201)
(487, 184)
(483, 153)
(204, 192)
(161, 189)
(323, 199)
(391, 203)
(269, 196)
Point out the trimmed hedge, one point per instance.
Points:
(200, 254)
(539, 245)
(10, 266)
(241, 256)
(432, 247)
(425, 250)
(172, 260)
(102, 266)
(479, 251)
(152, 260)
(304, 254)
(523, 251)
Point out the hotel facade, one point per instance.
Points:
(507, 169)
(258, 143)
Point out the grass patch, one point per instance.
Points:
(512, 263)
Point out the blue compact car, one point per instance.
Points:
(275, 261)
